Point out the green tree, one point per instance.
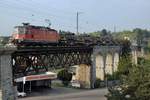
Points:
(121, 35)
(135, 78)
(125, 61)
(95, 34)
(64, 76)
(136, 84)
(124, 65)
(4, 40)
(125, 48)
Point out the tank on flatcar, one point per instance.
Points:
(34, 34)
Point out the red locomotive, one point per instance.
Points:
(34, 34)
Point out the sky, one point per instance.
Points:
(94, 15)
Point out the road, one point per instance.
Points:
(96, 94)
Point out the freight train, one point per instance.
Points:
(40, 35)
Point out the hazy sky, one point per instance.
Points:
(95, 14)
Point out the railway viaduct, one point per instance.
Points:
(99, 59)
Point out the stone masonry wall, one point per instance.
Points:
(6, 78)
(7, 90)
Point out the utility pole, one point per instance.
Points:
(78, 22)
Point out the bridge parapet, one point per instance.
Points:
(106, 49)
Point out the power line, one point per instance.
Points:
(31, 7)
(35, 12)
(29, 10)
(62, 11)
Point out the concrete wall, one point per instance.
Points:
(83, 75)
(7, 90)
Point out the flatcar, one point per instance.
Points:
(34, 34)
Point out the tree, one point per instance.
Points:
(121, 35)
(136, 84)
(104, 32)
(125, 48)
(125, 61)
(95, 34)
(64, 76)
(124, 65)
(4, 40)
(135, 78)
(140, 36)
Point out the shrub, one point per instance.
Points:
(97, 83)
(109, 77)
(135, 85)
(64, 76)
(114, 76)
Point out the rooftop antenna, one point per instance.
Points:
(48, 22)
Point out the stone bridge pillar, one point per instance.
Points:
(134, 52)
(92, 70)
(7, 90)
(105, 61)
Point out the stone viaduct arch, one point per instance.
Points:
(105, 60)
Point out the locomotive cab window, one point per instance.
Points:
(20, 30)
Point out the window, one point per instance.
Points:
(20, 30)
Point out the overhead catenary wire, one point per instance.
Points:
(28, 10)
(49, 7)
(36, 9)
(33, 12)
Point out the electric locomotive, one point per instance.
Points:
(30, 34)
